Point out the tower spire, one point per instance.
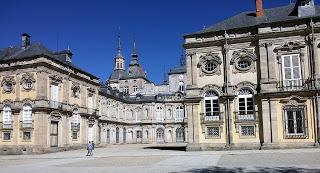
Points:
(134, 48)
(119, 44)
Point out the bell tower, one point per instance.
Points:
(119, 61)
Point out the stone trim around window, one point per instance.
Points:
(75, 88)
(211, 59)
(248, 59)
(27, 81)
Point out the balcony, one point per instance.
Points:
(7, 125)
(216, 117)
(179, 120)
(55, 105)
(292, 85)
(28, 124)
(246, 117)
(75, 127)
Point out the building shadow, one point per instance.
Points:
(255, 170)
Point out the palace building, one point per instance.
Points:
(248, 82)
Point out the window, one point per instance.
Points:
(244, 64)
(28, 84)
(90, 104)
(210, 66)
(74, 135)
(139, 134)
(180, 134)
(159, 114)
(135, 88)
(245, 105)
(27, 116)
(305, 3)
(247, 131)
(179, 114)
(138, 116)
(181, 87)
(211, 104)
(7, 117)
(291, 71)
(54, 92)
(160, 135)
(6, 136)
(75, 121)
(146, 113)
(295, 121)
(124, 135)
(126, 89)
(26, 136)
(213, 132)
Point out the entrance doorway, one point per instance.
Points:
(139, 136)
(54, 134)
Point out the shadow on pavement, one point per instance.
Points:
(176, 148)
(259, 169)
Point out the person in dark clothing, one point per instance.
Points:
(89, 148)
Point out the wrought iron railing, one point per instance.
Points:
(246, 116)
(7, 125)
(215, 117)
(27, 124)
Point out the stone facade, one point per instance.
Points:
(255, 86)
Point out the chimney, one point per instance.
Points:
(25, 40)
(259, 8)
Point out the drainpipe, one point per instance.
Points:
(226, 90)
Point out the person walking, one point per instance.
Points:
(89, 148)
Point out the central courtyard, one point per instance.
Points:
(140, 158)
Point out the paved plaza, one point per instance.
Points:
(135, 158)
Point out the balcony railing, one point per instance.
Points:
(246, 116)
(75, 127)
(292, 85)
(179, 120)
(207, 118)
(55, 105)
(90, 111)
(7, 125)
(27, 124)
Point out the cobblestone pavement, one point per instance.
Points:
(134, 158)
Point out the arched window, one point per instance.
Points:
(7, 117)
(181, 86)
(138, 116)
(179, 114)
(27, 115)
(117, 135)
(211, 104)
(180, 134)
(160, 134)
(159, 114)
(245, 102)
(146, 114)
(124, 135)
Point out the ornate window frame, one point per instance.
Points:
(210, 58)
(27, 79)
(243, 54)
(8, 80)
(295, 102)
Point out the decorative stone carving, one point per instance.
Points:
(211, 87)
(75, 88)
(209, 64)
(8, 84)
(91, 91)
(56, 78)
(293, 101)
(244, 84)
(289, 46)
(27, 80)
(243, 61)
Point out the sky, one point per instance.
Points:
(89, 28)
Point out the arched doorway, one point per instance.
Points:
(160, 135)
(180, 134)
(124, 135)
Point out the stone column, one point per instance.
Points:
(274, 120)
(18, 87)
(263, 62)
(266, 122)
(42, 85)
(271, 62)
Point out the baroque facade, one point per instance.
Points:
(253, 80)
(250, 81)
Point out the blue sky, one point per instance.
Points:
(89, 28)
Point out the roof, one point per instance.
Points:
(249, 19)
(17, 53)
(178, 70)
